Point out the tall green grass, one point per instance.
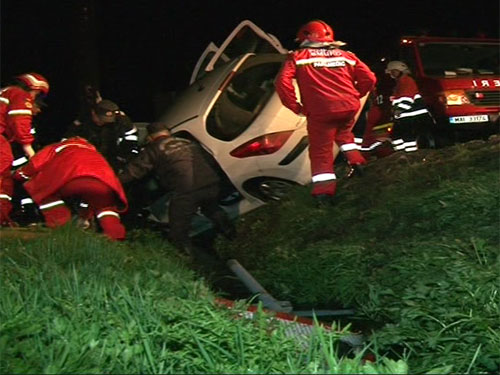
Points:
(413, 246)
(74, 302)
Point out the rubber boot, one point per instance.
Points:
(355, 170)
(5, 210)
(56, 216)
(29, 215)
(354, 157)
(112, 227)
(328, 187)
(6, 193)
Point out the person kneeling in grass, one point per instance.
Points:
(73, 169)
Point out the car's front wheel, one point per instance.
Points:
(268, 188)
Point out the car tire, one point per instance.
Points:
(269, 189)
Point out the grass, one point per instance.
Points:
(74, 302)
(413, 246)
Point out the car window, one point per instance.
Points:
(242, 99)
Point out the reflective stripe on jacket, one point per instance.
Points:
(329, 80)
(406, 100)
(16, 115)
(56, 164)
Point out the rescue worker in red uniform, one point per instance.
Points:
(379, 113)
(331, 82)
(73, 169)
(16, 113)
(25, 212)
(110, 130)
(411, 116)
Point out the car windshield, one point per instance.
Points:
(242, 100)
(457, 59)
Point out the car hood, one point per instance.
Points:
(194, 100)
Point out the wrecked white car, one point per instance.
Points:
(231, 108)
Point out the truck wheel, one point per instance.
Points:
(427, 140)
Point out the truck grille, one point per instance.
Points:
(484, 98)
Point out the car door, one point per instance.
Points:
(204, 60)
(247, 37)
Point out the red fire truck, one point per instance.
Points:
(459, 80)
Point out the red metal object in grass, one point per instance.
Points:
(297, 327)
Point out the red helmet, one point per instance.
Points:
(35, 81)
(315, 31)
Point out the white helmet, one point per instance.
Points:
(397, 65)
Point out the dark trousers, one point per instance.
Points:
(183, 206)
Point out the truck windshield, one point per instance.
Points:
(457, 59)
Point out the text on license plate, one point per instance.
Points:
(465, 119)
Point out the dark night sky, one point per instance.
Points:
(146, 48)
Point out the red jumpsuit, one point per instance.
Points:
(379, 113)
(16, 114)
(74, 168)
(331, 82)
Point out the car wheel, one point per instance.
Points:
(268, 188)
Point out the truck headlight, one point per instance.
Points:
(454, 97)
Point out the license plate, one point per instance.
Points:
(467, 119)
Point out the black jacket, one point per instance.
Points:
(118, 141)
(180, 165)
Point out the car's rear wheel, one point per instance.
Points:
(269, 188)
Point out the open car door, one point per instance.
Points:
(245, 38)
(203, 61)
